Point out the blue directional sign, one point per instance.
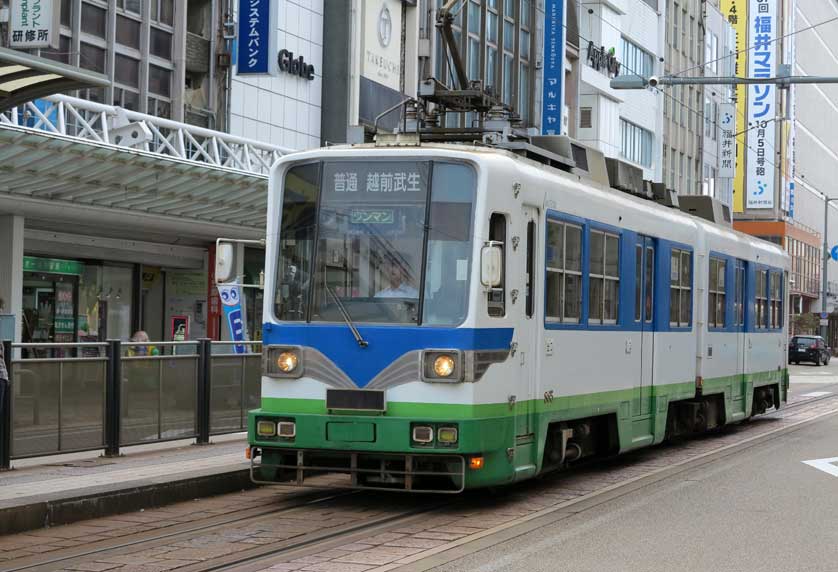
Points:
(834, 252)
(254, 36)
(553, 89)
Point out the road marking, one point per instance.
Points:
(825, 465)
(816, 394)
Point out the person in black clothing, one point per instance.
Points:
(4, 383)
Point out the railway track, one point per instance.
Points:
(342, 517)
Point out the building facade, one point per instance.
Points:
(621, 38)
(158, 54)
(281, 107)
(683, 125)
(719, 44)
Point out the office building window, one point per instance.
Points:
(636, 143)
(635, 59)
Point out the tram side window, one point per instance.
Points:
(776, 301)
(716, 294)
(496, 297)
(638, 282)
(604, 278)
(680, 288)
(650, 282)
(564, 273)
(296, 242)
(761, 298)
(738, 304)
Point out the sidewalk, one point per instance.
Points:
(61, 489)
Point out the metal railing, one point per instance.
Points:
(65, 398)
(108, 124)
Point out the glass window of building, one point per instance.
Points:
(636, 143)
(128, 32)
(92, 57)
(66, 12)
(635, 59)
(495, 40)
(163, 11)
(127, 70)
(94, 20)
(160, 43)
(134, 6)
(159, 81)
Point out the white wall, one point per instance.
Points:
(284, 109)
(639, 23)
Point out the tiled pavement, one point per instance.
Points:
(60, 477)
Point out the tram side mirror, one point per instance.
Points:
(491, 264)
(225, 258)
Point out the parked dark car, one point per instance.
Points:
(809, 348)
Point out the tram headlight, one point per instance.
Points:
(287, 362)
(265, 428)
(282, 361)
(422, 434)
(442, 366)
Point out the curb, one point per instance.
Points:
(99, 504)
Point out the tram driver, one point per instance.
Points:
(399, 282)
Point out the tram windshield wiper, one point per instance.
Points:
(347, 318)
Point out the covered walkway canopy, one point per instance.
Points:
(129, 174)
(24, 77)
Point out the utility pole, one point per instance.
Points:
(826, 256)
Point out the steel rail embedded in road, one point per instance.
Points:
(304, 499)
(594, 482)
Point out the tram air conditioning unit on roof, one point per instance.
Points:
(626, 178)
(707, 208)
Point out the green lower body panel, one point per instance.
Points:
(377, 449)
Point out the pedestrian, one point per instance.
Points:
(4, 382)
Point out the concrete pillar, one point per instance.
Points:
(11, 267)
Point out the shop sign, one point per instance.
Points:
(554, 44)
(65, 323)
(186, 284)
(34, 23)
(603, 60)
(382, 42)
(180, 328)
(254, 36)
(736, 13)
(762, 63)
(230, 295)
(297, 66)
(52, 265)
(727, 140)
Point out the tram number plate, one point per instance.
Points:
(372, 216)
(355, 399)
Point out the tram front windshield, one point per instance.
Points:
(382, 241)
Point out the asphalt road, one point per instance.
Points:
(808, 378)
(762, 509)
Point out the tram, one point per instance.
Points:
(446, 316)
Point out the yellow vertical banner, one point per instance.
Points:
(736, 13)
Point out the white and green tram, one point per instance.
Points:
(443, 316)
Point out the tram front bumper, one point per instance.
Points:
(381, 451)
(394, 471)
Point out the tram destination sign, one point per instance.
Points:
(375, 182)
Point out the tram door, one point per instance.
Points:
(646, 245)
(526, 314)
(740, 295)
